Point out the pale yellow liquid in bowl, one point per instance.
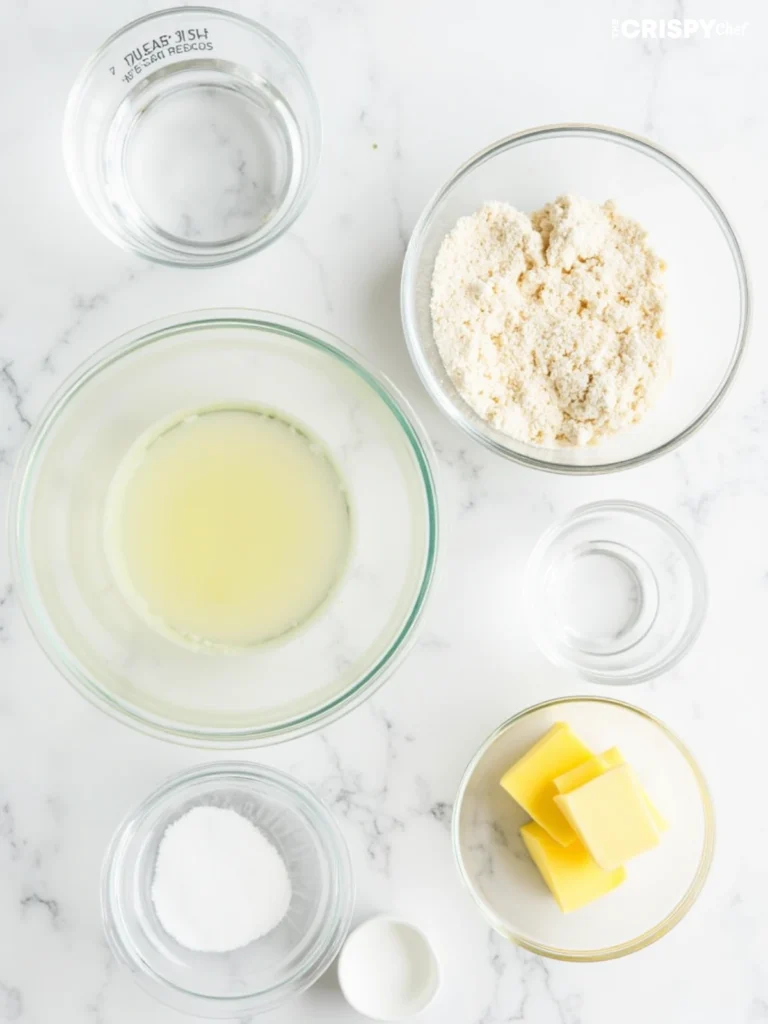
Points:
(227, 527)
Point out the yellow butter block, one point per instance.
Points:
(573, 877)
(530, 781)
(611, 817)
(583, 773)
(598, 765)
(657, 817)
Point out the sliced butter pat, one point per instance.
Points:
(611, 817)
(598, 765)
(573, 877)
(584, 773)
(530, 781)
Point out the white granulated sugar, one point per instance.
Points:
(551, 326)
(219, 883)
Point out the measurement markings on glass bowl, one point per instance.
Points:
(152, 51)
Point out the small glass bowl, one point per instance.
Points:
(270, 970)
(661, 885)
(192, 137)
(616, 591)
(708, 294)
(67, 586)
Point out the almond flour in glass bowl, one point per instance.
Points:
(707, 306)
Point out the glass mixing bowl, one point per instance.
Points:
(708, 296)
(661, 885)
(615, 591)
(270, 970)
(192, 137)
(63, 576)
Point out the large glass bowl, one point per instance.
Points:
(265, 973)
(68, 591)
(708, 296)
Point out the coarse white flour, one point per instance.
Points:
(551, 326)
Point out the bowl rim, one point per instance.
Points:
(23, 576)
(253, 242)
(623, 138)
(692, 560)
(170, 792)
(648, 937)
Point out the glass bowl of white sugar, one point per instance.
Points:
(575, 299)
(228, 891)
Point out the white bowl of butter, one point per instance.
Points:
(594, 914)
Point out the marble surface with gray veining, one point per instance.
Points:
(409, 89)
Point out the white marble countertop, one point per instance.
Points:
(409, 89)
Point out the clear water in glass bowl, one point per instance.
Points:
(192, 136)
(615, 591)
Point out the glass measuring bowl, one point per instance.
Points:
(192, 137)
(270, 970)
(617, 592)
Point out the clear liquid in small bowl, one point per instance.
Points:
(203, 153)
